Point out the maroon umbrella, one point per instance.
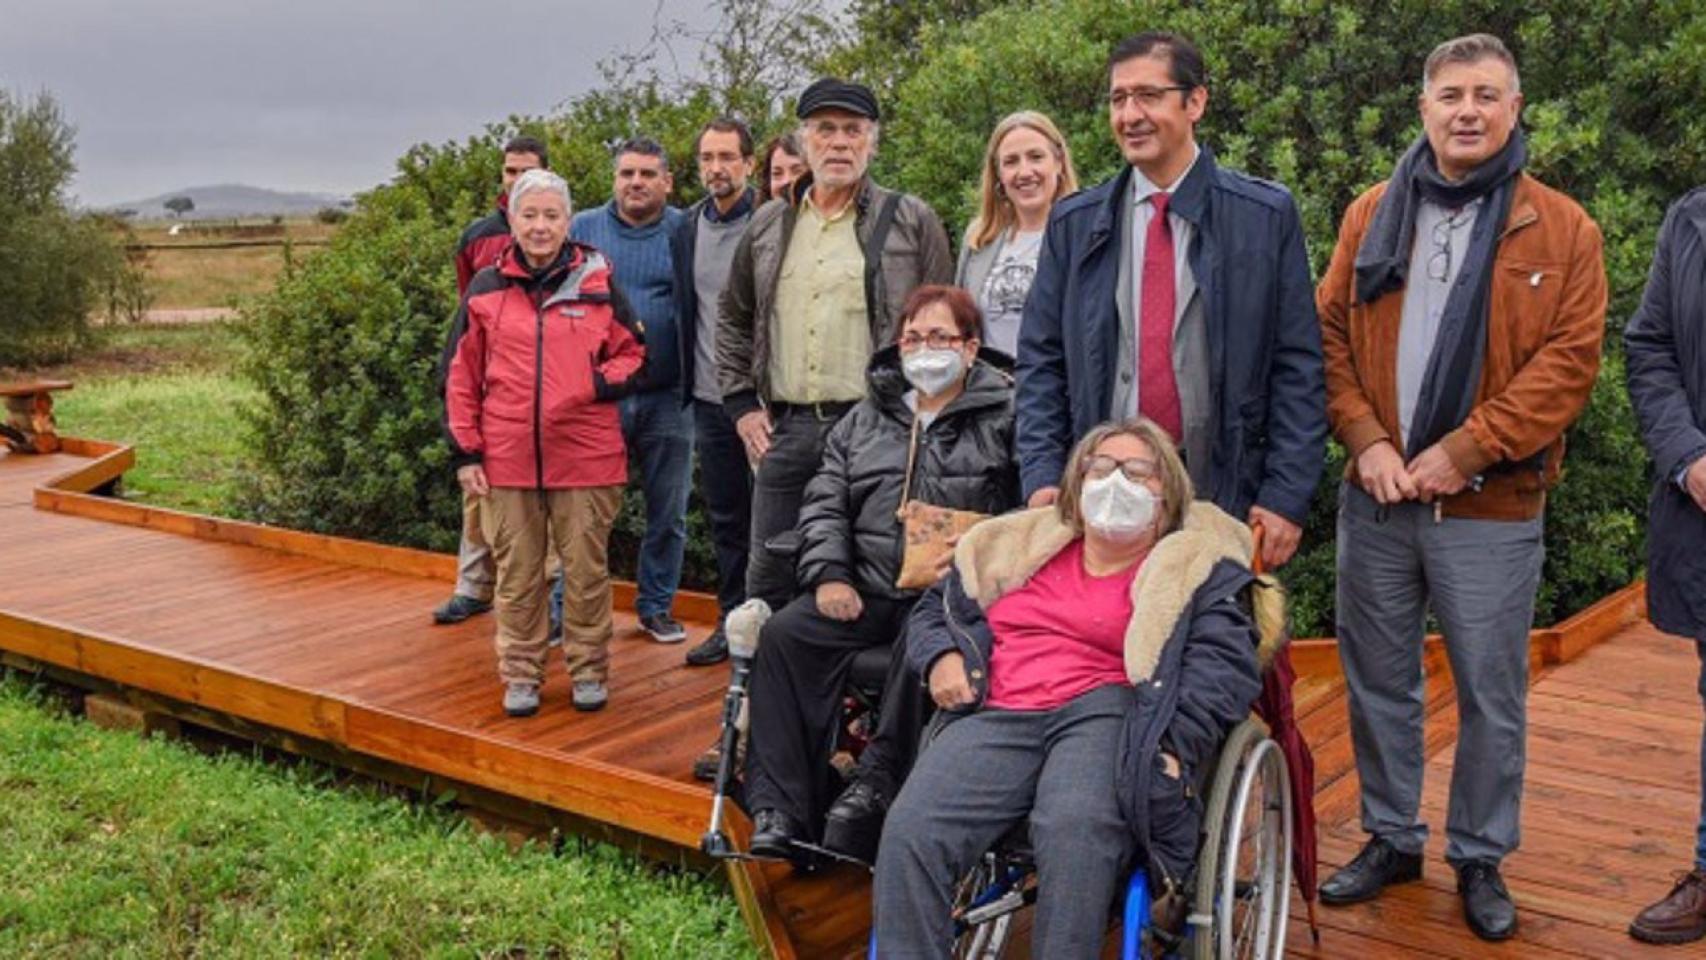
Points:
(1277, 710)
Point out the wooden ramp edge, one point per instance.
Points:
(806, 916)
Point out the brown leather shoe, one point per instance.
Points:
(1680, 917)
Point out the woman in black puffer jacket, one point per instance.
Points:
(936, 405)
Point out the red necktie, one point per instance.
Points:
(1157, 390)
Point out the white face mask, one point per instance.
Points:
(1118, 509)
(933, 371)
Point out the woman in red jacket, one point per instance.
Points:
(541, 347)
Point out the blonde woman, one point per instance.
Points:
(1026, 168)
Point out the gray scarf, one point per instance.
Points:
(1454, 367)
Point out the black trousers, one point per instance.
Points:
(725, 482)
(797, 684)
(796, 451)
(906, 709)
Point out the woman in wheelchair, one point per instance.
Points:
(937, 411)
(1088, 658)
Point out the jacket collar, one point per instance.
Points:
(1189, 200)
(513, 264)
(743, 207)
(861, 197)
(1001, 555)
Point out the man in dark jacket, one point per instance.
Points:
(1462, 316)
(948, 448)
(816, 286)
(483, 245)
(1180, 290)
(1666, 346)
(701, 249)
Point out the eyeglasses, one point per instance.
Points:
(1136, 469)
(1147, 97)
(935, 339)
(1439, 263)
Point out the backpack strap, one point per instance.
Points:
(874, 245)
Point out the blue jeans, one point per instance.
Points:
(659, 433)
(1700, 828)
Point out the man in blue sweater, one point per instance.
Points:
(633, 230)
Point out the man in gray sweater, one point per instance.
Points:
(702, 248)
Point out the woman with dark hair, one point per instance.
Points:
(1090, 657)
(783, 162)
(936, 426)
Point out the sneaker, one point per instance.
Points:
(458, 608)
(715, 649)
(663, 628)
(590, 695)
(521, 699)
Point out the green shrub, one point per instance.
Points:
(1321, 96)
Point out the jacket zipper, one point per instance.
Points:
(538, 394)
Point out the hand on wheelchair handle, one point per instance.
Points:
(950, 687)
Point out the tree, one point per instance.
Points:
(54, 264)
(178, 206)
(1321, 97)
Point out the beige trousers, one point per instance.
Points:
(524, 528)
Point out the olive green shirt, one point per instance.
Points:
(821, 331)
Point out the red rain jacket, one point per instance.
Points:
(531, 370)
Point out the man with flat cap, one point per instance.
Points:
(816, 286)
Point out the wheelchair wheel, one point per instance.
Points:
(1243, 886)
(984, 905)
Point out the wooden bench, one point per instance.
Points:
(28, 426)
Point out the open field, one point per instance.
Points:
(174, 392)
(193, 270)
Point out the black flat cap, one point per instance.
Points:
(833, 93)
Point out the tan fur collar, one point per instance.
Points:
(1000, 555)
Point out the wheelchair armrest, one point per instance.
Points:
(785, 544)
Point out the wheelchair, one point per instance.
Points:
(1239, 895)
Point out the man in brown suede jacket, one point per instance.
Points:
(1462, 318)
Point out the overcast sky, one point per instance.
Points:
(298, 94)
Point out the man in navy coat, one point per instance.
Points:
(1179, 291)
(1666, 347)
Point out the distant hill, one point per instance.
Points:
(227, 200)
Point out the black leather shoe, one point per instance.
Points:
(1378, 866)
(715, 649)
(855, 821)
(773, 834)
(1487, 904)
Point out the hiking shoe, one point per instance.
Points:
(715, 649)
(590, 695)
(521, 699)
(458, 608)
(663, 628)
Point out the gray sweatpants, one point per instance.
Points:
(981, 776)
(1479, 578)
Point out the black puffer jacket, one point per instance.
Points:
(848, 529)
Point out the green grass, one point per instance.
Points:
(173, 393)
(117, 846)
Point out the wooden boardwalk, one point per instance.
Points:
(328, 641)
